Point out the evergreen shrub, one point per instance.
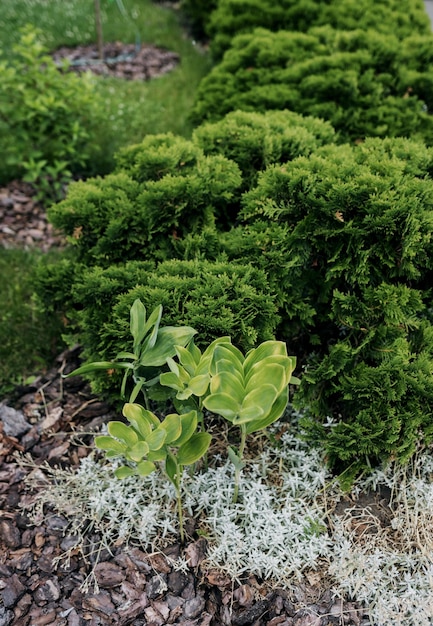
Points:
(402, 18)
(215, 298)
(363, 82)
(347, 237)
(161, 189)
(256, 140)
(375, 379)
(198, 13)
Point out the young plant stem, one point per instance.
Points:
(179, 505)
(238, 466)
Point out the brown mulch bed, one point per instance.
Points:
(45, 420)
(120, 60)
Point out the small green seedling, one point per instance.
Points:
(152, 346)
(250, 391)
(174, 442)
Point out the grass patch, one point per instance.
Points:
(28, 340)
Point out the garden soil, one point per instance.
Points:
(51, 421)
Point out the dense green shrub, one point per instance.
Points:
(48, 119)
(347, 236)
(216, 299)
(162, 189)
(364, 83)
(198, 13)
(375, 381)
(402, 18)
(256, 140)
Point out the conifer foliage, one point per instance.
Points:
(301, 210)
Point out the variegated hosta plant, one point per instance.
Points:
(249, 391)
(147, 441)
(152, 346)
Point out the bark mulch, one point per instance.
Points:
(138, 588)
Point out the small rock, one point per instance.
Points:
(14, 422)
(100, 602)
(10, 534)
(108, 575)
(6, 617)
(48, 592)
(13, 591)
(194, 607)
(156, 586)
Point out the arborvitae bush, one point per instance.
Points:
(363, 82)
(198, 13)
(162, 189)
(256, 140)
(375, 381)
(352, 227)
(402, 18)
(216, 299)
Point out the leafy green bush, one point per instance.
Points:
(364, 83)
(375, 380)
(47, 119)
(256, 140)
(347, 236)
(217, 299)
(198, 13)
(402, 18)
(161, 190)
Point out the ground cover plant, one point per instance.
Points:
(233, 17)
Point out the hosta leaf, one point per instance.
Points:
(172, 470)
(235, 459)
(257, 403)
(222, 404)
(174, 367)
(226, 366)
(123, 432)
(156, 439)
(198, 385)
(168, 337)
(138, 451)
(211, 347)
(138, 321)
(145, 468)
(229, 384)
(269, 373)
(189, 426)
(153, 323)
(142, 419)
(172, 426)
(136, 390)
(265, 349)
(157, 455)
(124, 472)
(188, 357)
(104, 442)
(228, 352)
(274, 414)
(194, 449)
(99, 365)
(170, 379)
